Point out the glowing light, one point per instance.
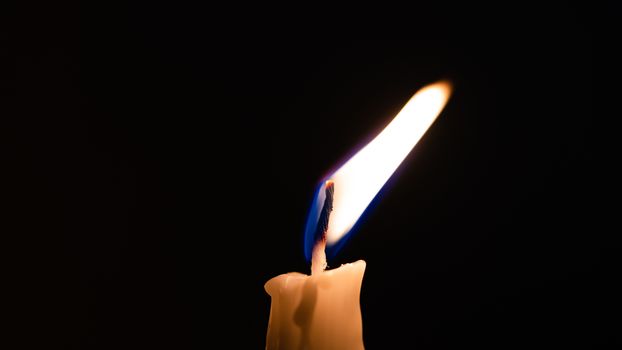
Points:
(359, 180)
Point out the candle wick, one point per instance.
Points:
(318, 259)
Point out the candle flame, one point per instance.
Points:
(359, 180)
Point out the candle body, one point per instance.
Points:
(321, 311)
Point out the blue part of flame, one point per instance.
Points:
(314, 214)
(312, 219)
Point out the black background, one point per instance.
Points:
(162, 159)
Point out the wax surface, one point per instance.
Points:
(321, 311)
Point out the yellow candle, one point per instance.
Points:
(321, 311)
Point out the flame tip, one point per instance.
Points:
(444, 84)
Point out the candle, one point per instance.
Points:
(322, 311)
